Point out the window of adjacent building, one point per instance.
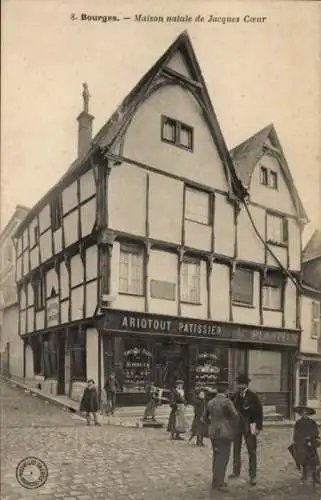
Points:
(77, 349)
(50, 355)
(242, 287)
(276, 228)
(55, 213)
(36, 234)
(197, 206)
(39, 293)
(190, 281)
(273, 179)
(177, 133)
(316, 313)
(131, 270)
(268, 177)
(272, 291)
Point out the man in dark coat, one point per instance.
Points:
(250, 411)
(89, 402)
(223, 422)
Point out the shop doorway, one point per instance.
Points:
(61, 364)
(173, 358)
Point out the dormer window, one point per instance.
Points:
(177, 133)
(268, 178)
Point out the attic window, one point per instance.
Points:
(268, 178)
(177, 133)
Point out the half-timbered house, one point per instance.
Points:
(143, 258)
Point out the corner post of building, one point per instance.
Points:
(146, 277)
(210, 262)
(179, 273)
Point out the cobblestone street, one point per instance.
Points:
(122, 463)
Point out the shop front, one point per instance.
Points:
(143, 348)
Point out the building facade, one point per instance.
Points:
(11, 344)
(153, 257)
(309, 360)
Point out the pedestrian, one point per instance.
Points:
(176, 422)
(152, 395)
(89, 402)
(199, 427)
(306, 441)
(250, 411)
(111, 386)
(223, 423)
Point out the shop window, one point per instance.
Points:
(50, 355)
(211, 366)
(137, 366)
(242, 287)
(77, 349)
(177, 133)
(197, 206)
(131, 270)
(276, 229)
(316, 313)
(190, 281)
(272, 291)
(39, 292)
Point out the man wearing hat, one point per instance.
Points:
(306, 441)
(250, 410)
(223, 421)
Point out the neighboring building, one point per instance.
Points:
(11, 345)
(309, 362)
(142, 259)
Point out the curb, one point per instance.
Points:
(136, 425)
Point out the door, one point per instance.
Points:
(61, 363)
(173, 362)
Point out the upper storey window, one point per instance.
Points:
(55, 214)
(276, 229)
(197, 206)
(268, 178)
(177, 133)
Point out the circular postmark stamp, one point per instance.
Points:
(31, 473)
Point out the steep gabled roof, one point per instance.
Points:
(109, 133)
(311, 273)
(246, 155)
(312, 249)
(119, 120)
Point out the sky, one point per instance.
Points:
(256, 73)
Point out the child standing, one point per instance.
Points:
(306, 441)
(199, 427)
(89, 402)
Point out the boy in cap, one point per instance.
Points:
(306, 440)
(249, 408)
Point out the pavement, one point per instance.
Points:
(112, 462)
(126, 416)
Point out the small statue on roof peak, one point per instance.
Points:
(86, 96)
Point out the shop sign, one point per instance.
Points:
(122, 321)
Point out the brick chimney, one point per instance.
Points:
(85, 121)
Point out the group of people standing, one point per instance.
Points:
(224, 421)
